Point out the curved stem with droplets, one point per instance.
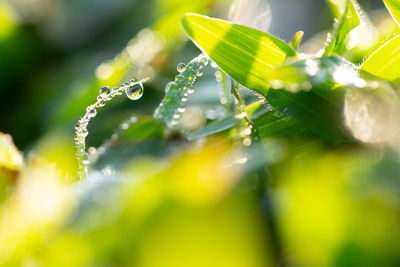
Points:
(132, 89)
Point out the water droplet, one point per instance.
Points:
(89, 108)
(92, 113)
(85, 133)
(105, 91)
(135, 91)
(204, 61)
(276, 84)
(191, 90)
(179, 78)
(244, 132)
(200, 73)
(247, 142)
(117, 91)
(133, 119)
(181, 67)
(177, 116)
(92, 150)
(101, 103)
(125, 126)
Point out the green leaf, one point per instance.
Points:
(385, 62)
(145, 128)
(213, 128)
(394, 8)
(337, 7)
(224, 124)
(348, 21)
(313, 100)
(244, 53)
(273, 124)
(296, 40)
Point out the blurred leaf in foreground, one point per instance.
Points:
(11, 162)
(331, 213)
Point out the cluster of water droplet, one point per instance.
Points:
(177, 92)
(133, 90)
(245, 128)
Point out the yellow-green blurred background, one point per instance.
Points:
(156, 199)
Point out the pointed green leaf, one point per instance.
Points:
(394, 8)
(244, 53)
(296, 40)
(348, 21)
(385, 62)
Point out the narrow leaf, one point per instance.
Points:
(296, 41)
(385, 62)
(244, 53)
(349, 20)
(394, 8)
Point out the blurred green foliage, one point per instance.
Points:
(298, 165)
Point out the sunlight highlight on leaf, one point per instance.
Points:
(244, 53)
(394, 8)
(385, 62)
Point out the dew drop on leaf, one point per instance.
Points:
(181, 67)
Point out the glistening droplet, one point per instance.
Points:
(105, 91)
(181, 67)
(134, 92)
(92, 113)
